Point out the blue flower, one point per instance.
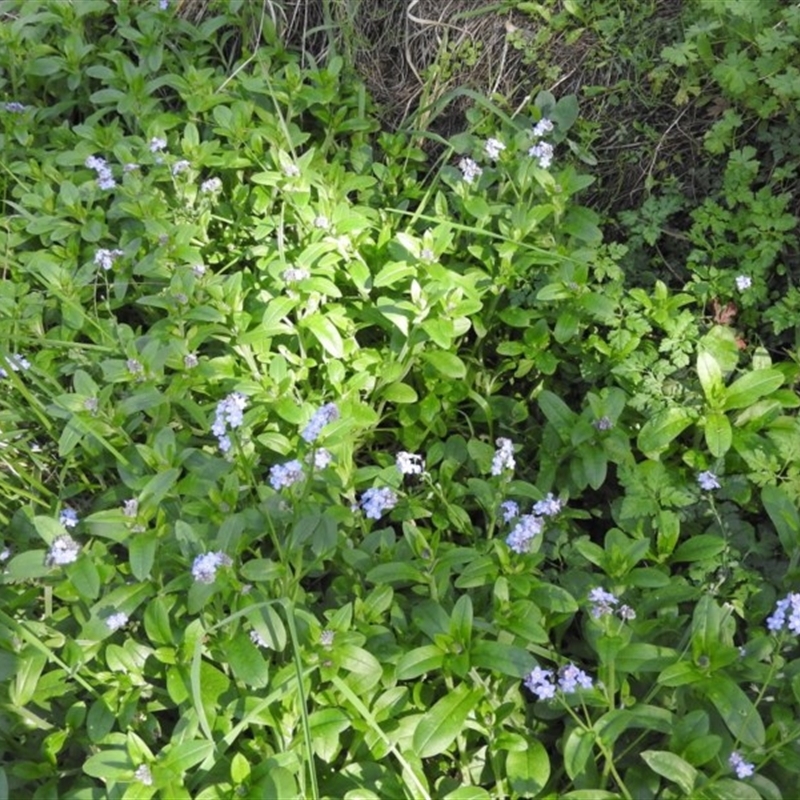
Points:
(376, 501)
(744, 769)
(503, 456)
(603, 602)
(204, 567)
(778, 619)
(68, 517)
(322, 417)
(509, 509)
(708, 481)
(519, 539)
(282, 476)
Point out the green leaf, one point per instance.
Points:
(503, 658)
(528, 770)
(83, 575)
(183, 756)
(246, 661)
(439, 726)
(784, 516)
(327, 725)
(461, 621)
(468, 793)
(157, 487)
(30, 665)
(752, 386)
(671, 767)
(142, 554)
(553, 598)
(448, 364)
(736, 709)
(718, 433)
(710, 374)
(558, 413)
(400, 393)
(662, 429)
(326, 333)
(577, 751)
(365, 670)
(699, 548)
(394, 272)
(109, 765)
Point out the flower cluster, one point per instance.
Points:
(228, 416)
(743, 769)
(525, 530)
(211, 186)
(493, 148)
(157, 144)
(117, 620)
(541, 150)
(743, 282)
(17, 363)
(376, 501)
(528, 525)
(282, 476)
(321, 458)
(204, 567)
(68, 517)
(180, 166)
(106, 258)
(503, 456)
(105, 179)
(410, 463)
(543, 682)
(322, 417)
(143, 775)
(295, 275)
(708, 481)
(603, 602)
(14, 107)
(509, 509)
(548, 507)
(786, 614)
(63, 550)
(257, 639)
(469, 170)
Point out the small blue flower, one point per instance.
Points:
(204, 567)
(322, 416)
(540, 682)
(525, 530)
(778, 620)
(744, 769)
(708, 481)
(68, 517)
(282, 476)
(509, 509)
(570, 678)
(603, 602)
(376, 501)
(548, 507)
(503, 456)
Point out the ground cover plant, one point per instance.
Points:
(337, 466)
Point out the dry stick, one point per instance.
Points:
(661, 141)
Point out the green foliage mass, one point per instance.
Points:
(333, 469)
